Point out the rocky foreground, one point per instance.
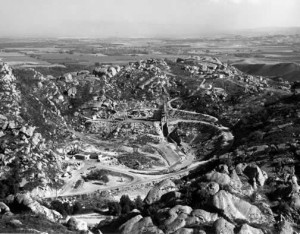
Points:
(223, 200)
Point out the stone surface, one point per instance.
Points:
(220, 178)
(221, 226)
(184, 231)
(34, 206)
(204, 216)
(3, 208)
(77, 225)
(246, 229)
(213, 188)
(15, 223)
(158, 190)
(286, 228)
(255, 173)
(237, 209)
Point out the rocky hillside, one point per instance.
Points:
(241, 129)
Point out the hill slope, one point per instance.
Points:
(288, 71)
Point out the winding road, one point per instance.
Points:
(179, 163)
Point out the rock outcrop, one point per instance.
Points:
(246, 229)
(158, 190)
(3, 208)
(237, 209)
(26, 201)
(77, 225)
(138, 224)
(254, 173)
(222, 226)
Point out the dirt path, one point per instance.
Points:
(178, 162)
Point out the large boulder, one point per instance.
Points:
(177, 224)
(127, 226)
(4, 208)
(26, 201)
(138, 224)
(15, 223)
(36, 138)
(145, 225)
(204, 216)
(246, 229)
(184, 231)
(286, 228)
(177, 219)
(158, 190)
(254, 173)
(237, 209)
(77, 225)
(221, 226)
(213, 188)
(224, 178)
(27, 131)
(220, 178)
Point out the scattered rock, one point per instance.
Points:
(27, 131)
(221, 226)
(220, 178)
(246, 229)
(15, 223)
(254, 173)
(77, 225)
(213, 188)
(184, 231)
(286, 228)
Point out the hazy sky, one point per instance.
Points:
(142, 18)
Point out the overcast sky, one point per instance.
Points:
(142, 18)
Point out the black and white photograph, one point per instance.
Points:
(150, 116)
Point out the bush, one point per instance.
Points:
(78, 184)
(98, 175)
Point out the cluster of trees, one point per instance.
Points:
(11, 185)
(100, 175)
(125, 206)
(66, 208)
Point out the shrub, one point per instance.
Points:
(97, 175)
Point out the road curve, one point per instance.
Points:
(139, 178)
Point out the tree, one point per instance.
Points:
(59, 207)
(114, 208)
(14, 179)
(105, 179)
(126, 204)
(4, 189)
(77, 208)
(138, 202)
